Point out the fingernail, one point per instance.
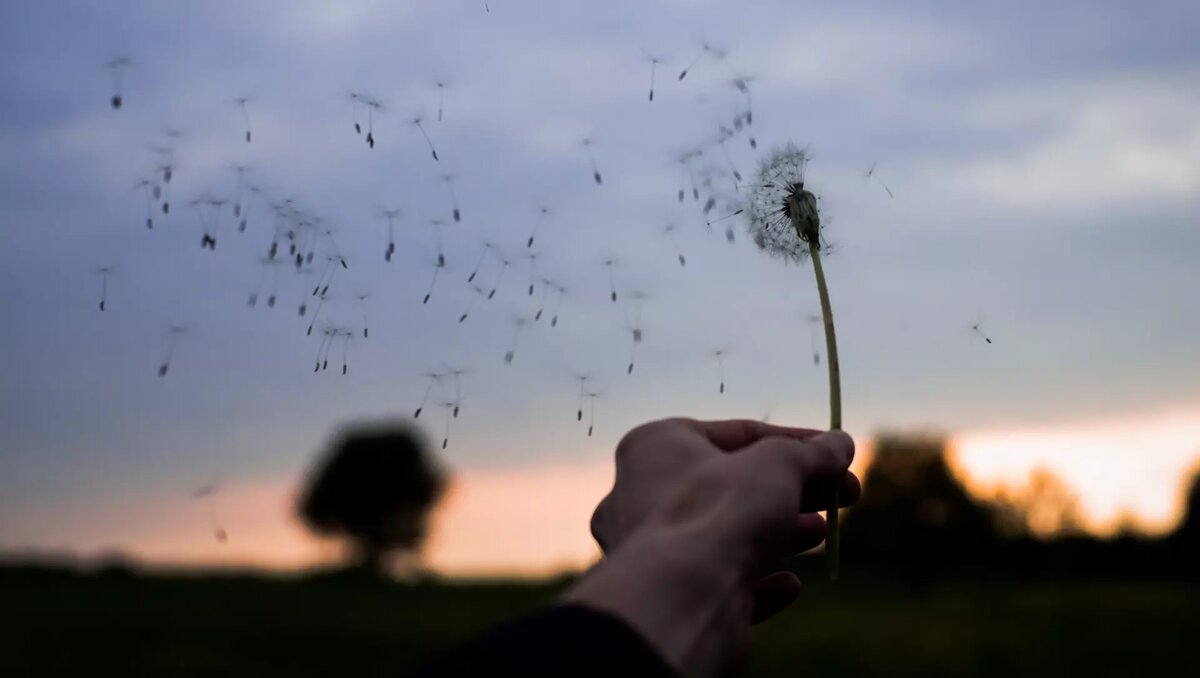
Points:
(837, 441)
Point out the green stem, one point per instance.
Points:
(833, 541)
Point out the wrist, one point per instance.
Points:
(675, 593)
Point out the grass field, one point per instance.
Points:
(172, 625)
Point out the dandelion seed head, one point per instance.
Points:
(783, 215)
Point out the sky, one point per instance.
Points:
(1044, 162)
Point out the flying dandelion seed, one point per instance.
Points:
(438, 265)
(816, 322)
(207, 494)
(321, 299)
(305, 275)
(724, 135)
(532, 257)
(477, 293)
(346, 335)
(241, 103)
(635, 328)
(504, 264)
(519, 323)
(547, 285)
(239, 184)
(326, 340)
(537, 226)
(487, 247)
(654, 62)
(560, 292)
(356, 101)
(592, 396)
(870, 174)
(153, 192)
(587, 146)
(612, 284)
(116, 68)
(374, 106)
(456, 374)
(720, 354)
(729, 226)
(104, 272)
(256, 195)
(434, 379)
(705, 50)
(362, 302)
(785, 222)
(436, 225)
(976, 330)
(450, 407)
(391, 215)
(209, 210)
(742, 84)
(449, 179)
(416, 122)
(582, 379)
(441, 87)
(269, 270)
(174, 332)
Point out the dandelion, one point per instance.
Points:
(209, 210)
(870, 174)
(785, 222)
(316, 312)
(449, 406)
(346, 335)
(103, 272)
(547, 285)
(327, 337)
(532, 257)
(239, 183)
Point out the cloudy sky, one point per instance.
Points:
(1045, 163)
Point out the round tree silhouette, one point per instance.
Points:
(374, 487)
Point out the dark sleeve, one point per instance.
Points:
(566, 640)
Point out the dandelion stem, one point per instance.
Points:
(833, 541)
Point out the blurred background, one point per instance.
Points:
(552, 256)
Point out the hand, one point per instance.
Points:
(699, 517)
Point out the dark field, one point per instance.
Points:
(117, 623)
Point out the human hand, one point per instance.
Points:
(699, 517)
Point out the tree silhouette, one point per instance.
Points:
(1187, 535)
(374, 487)
(915, 518)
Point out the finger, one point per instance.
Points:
(734, 434)
(773, 593)
(810, 532)
(818, 495)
